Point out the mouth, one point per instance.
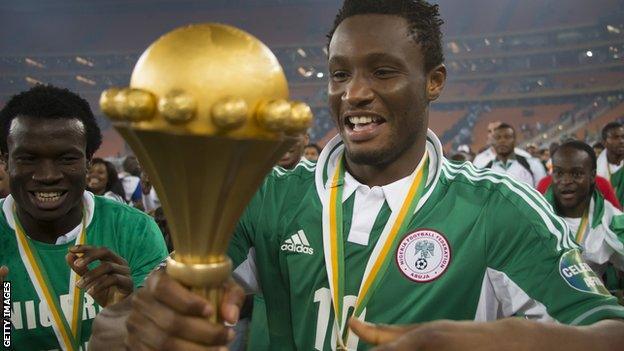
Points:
(47, 200)
(567, 194)
(361, 128)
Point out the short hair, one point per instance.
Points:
(609, 127)
(318, 148)
(423, 19)
(506, 126)
(50, 102)
(598, 144)
(578, 145)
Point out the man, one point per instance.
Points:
(131, 179)
(598, 226)
(489, 154)
(385, 229)
(610, 160)
(49, 223)
(527, 170)
(294, 155)
(312, 152)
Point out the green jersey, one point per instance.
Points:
(614, 173)
(479, 246)
(128, 232)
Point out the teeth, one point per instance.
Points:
(363, 119)
(48, 197)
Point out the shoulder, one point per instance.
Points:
(301, 176)
(109, 209)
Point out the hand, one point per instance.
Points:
(167, 316)
(447, 335)
(108, 283)
(4, 271)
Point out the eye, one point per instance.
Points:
(339, 76)
(25, 159)
(68, 159)
(384, 72)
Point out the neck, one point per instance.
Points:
(576, 211)
(504, 158)
(613, 158)
(380, 175)
(49, 231)
(99, 192)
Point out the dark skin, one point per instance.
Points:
(573, 181)
(292, 157)
(614, 143)
(379, 73)
(504, 143)
(48, 156)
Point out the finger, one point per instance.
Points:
(71, 261)
(171, 293)
(91, 253)
(122, 282)
(105, 268)
(376, 334)
(191, 328)
(233, 300)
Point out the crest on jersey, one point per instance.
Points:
(424, 255)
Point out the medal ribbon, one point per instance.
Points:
(67, 333)
(379, 258)
(580, 233)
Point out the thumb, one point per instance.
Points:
(233, 299)
(375, 334)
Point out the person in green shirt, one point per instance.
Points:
(66, 252)
(611, 159)
(384, 229)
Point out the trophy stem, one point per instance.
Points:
(204, 279)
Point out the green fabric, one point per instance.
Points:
(489, 221)
(128, 232)
(617, 180)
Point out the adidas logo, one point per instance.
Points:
(297, 243)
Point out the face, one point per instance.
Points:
(131, 165)
(615, 141)
(573, 177)
(504, 141)
(97, 178)
(47, 165)
(290, 159)
(491, 128)
(311, 153)
(379, 92)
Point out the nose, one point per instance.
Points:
(47, 172)
(358, 92)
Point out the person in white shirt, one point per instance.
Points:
(489, 154)
(527, 170)
(611, 160)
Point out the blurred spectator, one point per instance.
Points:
(4, 180)
(102, 180)
(312, 152)
(150, 198)
(610, 160)
(292, 157)
(489, 154)
(159, 217)
(527, 170)
(598, 148)
(130, 179)
(532, 150)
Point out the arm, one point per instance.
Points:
(515, 334)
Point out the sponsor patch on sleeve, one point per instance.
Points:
(579, 275)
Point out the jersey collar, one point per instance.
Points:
(393, 192)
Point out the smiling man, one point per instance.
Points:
(67, 251)
(384, 229)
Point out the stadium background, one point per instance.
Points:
(551, 68)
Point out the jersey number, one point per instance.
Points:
(323, 297)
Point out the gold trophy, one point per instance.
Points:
(207, 115)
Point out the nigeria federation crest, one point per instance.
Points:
(424, 255)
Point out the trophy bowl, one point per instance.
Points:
(207, 114)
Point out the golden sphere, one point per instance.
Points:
(230, 113)
(107, 103)
(135, 104)
(177, 107)
(300, 118)
(274, 115)
(209, 62)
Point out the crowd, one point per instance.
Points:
(379, 226)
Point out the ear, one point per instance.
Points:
(436, 78)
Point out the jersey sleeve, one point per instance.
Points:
(538, 268)
(241, 249)
(146, 244)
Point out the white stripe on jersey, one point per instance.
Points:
(563, 240)
(303, 238)
(295, 239)
(584, 316)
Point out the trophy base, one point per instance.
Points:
(204, 279)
